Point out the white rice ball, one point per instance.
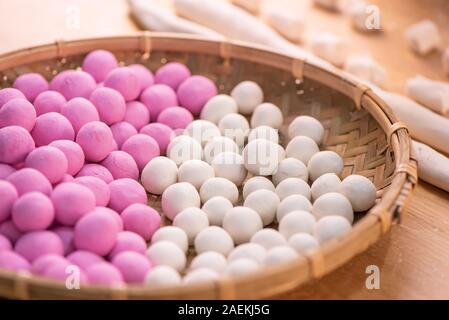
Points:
(167, 253)
(301, 148)
(303, 242)
(202, 131)
(201, 275)
(210, 260)
(214, 239)
(267, 114)
(178, 197)
(262, 157)
(257, 183)
(158, 174)
(290, 186)
(328, 182)
(306, 126)
(241, 267)
(162, 276)
(216, 208)
(331, 227)
(290, 168)
(280, 254)
(234, 126)
(360, 191)
(229, 165)
(242, 223)
(292, 203)
(296, 222)
(218, 145)
(172, 234)
(248, 95)
(264, 132)
(250, 250)
(192, 221)
(217, 107)
(219, 187)
(324, 162)
(183, 148)
(269, 238)
(333, 204)
(195, 172)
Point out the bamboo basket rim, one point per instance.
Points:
(376, 222)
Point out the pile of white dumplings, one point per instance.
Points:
(241, 200)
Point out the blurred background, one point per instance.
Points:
(26, 23)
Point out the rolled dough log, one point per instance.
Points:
(433, 167)
(432, 94)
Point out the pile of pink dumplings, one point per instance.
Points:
(71, 153)
(79, 154)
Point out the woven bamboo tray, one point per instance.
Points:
(359, 126)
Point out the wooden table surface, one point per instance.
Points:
(414, 257)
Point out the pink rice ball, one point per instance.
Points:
(126, 81)
(175, 117)
(63, 270)
(122, 131)
(41, 264)
(72, 201)
(49, 160)
(33, 211)
(172, 74)
(96, 232)
(125, 192)
(114, 145)
(142, 148)
(28, 180)
(10, 260)
(141, 219)
(84, 259)
(7, 94)
(73, 153)
(194, 92)
(66, 236)
(35, 244)
(137, 114)
(8, 196)
(6, 170)
(110, 105)
(18, 112)
(5, 244)
(79, 111)
(162, 133)
(95, 138)
(128, 241)
(99, 63)
(98, 187)
(15, 144)
(50, 127)
(73, 83)
(19, 165)
(49, 101)
(10, 231)
(146, 77)
(158, 98)
(31, 85)
(133, 266)
(95, 170)
(114, 214)
(104, 273)
(121, 165)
